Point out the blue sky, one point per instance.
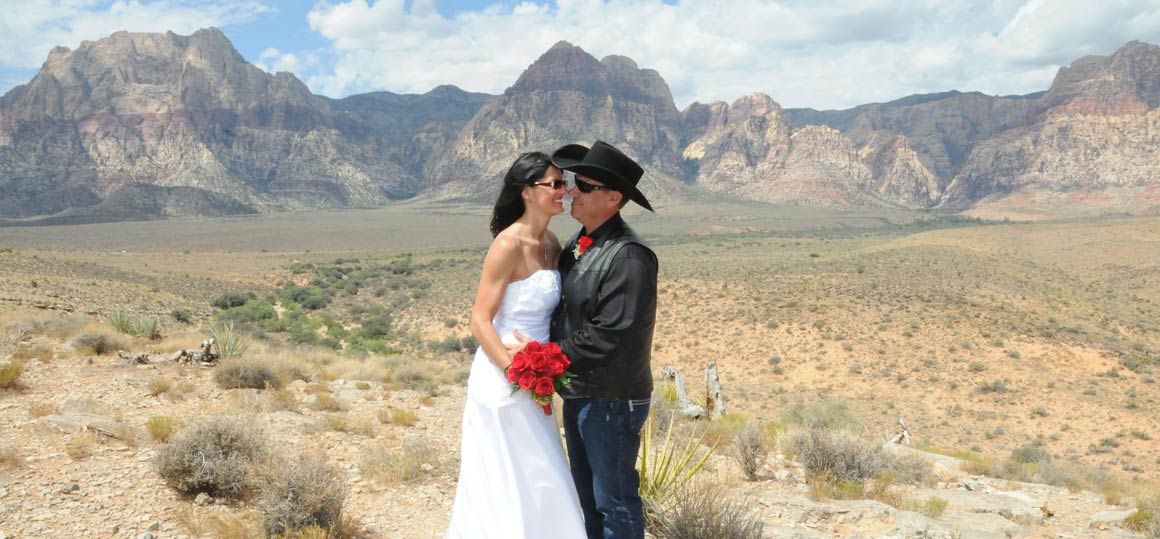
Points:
(821, 54)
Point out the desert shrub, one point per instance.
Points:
(238, 373)
(216, 456)
(1031, 454)
(836, 456)
(749, 450)
(10, 375)
(185, 316)
(10, 456)
(706, 512)
(97, 343)
(722, 430)
(161, 427)
(232, 299)
(996, 386)
(228, 341)
(305, 492)
(827, 414)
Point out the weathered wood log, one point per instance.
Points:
(903, 436)
(716, 397)
(139, 359)
(685, 407)
(205, 355)
(85, 422)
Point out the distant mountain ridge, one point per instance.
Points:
(139, 126)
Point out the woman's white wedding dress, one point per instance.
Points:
(513, 478)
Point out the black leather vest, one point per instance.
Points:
(624, 372)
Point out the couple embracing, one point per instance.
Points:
(595, 297)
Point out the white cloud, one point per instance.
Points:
(30, 28)
(802, 53)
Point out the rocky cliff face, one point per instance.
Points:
(167, 117)
(567, 96)
(1093, 139)
(184, 111)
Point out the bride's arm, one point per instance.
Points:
(499, 265)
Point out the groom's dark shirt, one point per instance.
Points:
(607, 313)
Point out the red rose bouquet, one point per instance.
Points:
(539, 368)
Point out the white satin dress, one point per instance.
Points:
(513, 477)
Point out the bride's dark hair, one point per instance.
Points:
(528, 168)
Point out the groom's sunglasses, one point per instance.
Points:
(586, 187)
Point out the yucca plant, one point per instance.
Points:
(120, 321)
(148, 327)
(227, 340)
(665, 470)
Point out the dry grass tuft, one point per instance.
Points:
(407, 464)
(81, 446)
(10, 375)
(161, 427)
(398, 416)
(158, 385)
(41, 408)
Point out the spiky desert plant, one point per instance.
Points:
(666, 469)
(120, 321)
(228, 341)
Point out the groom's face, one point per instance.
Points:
(594, 206)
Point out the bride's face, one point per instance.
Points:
(546, 195)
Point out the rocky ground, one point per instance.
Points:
(64, 483)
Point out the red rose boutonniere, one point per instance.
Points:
(582, 246)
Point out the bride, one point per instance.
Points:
(513, 479)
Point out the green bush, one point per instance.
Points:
(1030, 454)
(826, 414)
(217, 456)
(232, 299)
(185, 316)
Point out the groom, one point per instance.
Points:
(604, 324)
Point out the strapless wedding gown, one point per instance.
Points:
(513, 478)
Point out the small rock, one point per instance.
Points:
(112, 530)
(145, 535)
(970, 484)
(782, 475)
(154, 526)
(70, 488)
(202, 499)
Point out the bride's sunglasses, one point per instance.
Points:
(554, 184)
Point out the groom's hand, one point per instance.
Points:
(523, 341)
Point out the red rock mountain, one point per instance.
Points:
(146, 125)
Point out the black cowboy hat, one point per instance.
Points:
(605, 163)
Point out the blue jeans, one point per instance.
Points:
(603, 437)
